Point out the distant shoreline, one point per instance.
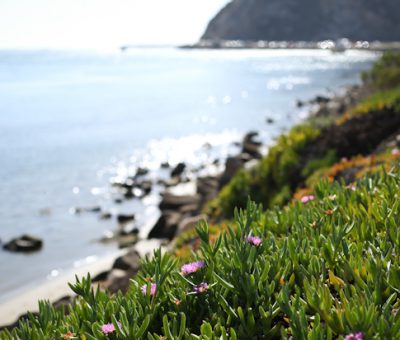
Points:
(340, 45)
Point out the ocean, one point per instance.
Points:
(73, 121)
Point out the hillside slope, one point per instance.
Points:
(308, 20)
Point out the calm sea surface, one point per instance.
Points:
(72, 120)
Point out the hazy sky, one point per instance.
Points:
(103, 23)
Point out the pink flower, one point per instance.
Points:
(355, 336)
(201, 288)
(352, 187)
(192, 267)
(254, 240)
(395, 152)
(153, 288)
(307, 198)
(108, 328)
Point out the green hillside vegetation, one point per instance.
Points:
(273, 180)
(385, 73)
(388, 100)
(320, 270)
(322, 262)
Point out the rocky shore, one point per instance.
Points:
(183, 196)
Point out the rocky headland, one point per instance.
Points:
(310, 20)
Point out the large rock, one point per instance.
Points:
(253, 150)
(232, 166)
(24, 243)
(178, 170)
(125, 218)
(101, 276)
(118, 280)
(207, 188)
(251, 145)
(166, 226)
(306, 20)
(128, 240)
(64, 302)
(174, 202)
(145, 186)
(141, 172)
(129, 261)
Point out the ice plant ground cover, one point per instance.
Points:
(314, 276)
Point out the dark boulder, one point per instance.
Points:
(166, 226)
(125, 218)
(127, 240)
(321, 100)
(118, 278)
(118, 281)
(141, 172)
(174, 202)
(250, 138)
(129, 261)
(253, 150)
(232, 166)
(207, 188)
(64, 302)
(128, 193)
(178, 170)
(145, 186)
(101, 276)
(251, 146)
(24, 244)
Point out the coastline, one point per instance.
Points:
(58, 289)
(54, 289)
(335, 46)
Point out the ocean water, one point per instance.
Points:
(71, 121)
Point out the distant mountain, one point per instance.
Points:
(308, 20)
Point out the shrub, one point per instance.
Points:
(273, 180)
(385, 73)
(385, 100)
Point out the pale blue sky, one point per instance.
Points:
(103, 23)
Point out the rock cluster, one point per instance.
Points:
(182, 212)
